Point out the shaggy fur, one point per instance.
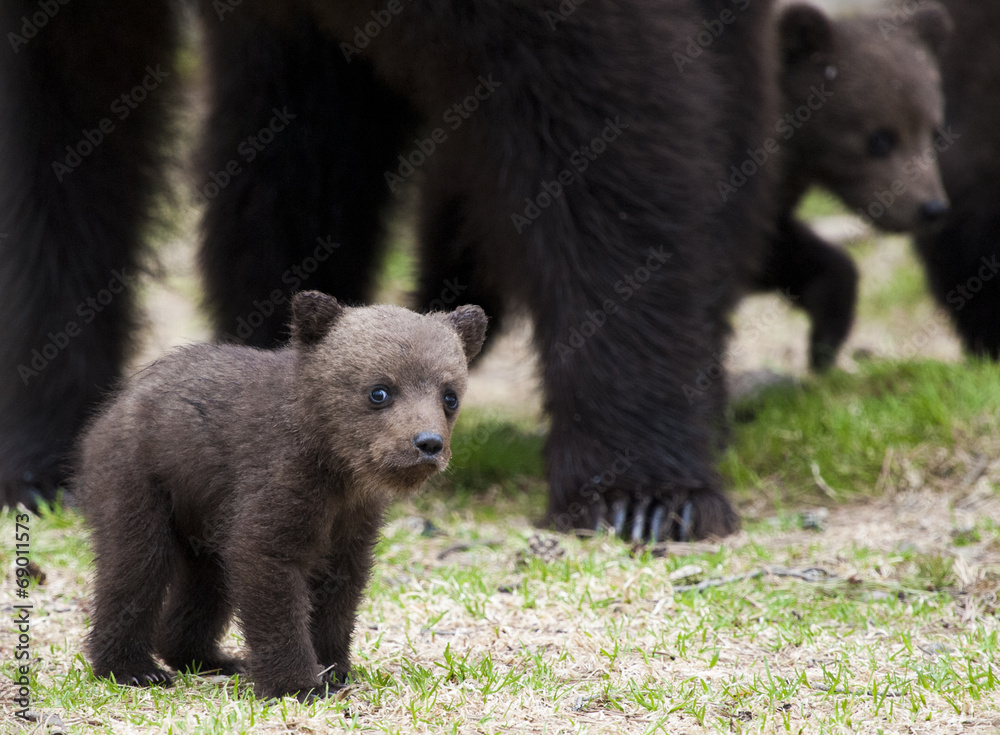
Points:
(70, 241)
(629, 269)
(226, 479)
(630, 266)
(862, 111)
(962, 260)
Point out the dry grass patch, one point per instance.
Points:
(489, 627)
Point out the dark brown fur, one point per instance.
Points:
(962, 259)
(226, 479)
(865, 75)
(636, 386)
(647, 384)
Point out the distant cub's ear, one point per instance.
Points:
(804, 30)
(934, 26)
(470, 323)
(313, 313)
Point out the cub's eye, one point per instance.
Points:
(881, 142)
(450, 400)
(379, 395)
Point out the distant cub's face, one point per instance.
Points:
(383, 386)
(866, 108)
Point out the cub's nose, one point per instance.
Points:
(428, 443)
(933, 210)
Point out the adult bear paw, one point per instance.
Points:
(154, 677)
(29, 489)
(679, 516)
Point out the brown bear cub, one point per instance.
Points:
(863, 113)
(227, 480)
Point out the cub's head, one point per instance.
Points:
(868, 110)
(381, 386)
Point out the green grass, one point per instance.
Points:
(397, 278)
(475, 622)
(497, 640)
(819, 203)
(467, 627)
(903, 287)
(845, 424)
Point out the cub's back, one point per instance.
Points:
(192, 424)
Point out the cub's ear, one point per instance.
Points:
(470, 323)
(313, 313)
(934, 26)
(803, 30)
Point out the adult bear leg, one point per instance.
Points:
(298, 144)
(83, 123)
(633, 341)
(588, 163)
(451, 268)
(631, 442)
(962, 261)
(962, 258)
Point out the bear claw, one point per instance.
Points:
(656, 523)
(639, 521)
(153, 678)
(619, 510)
(652, 527)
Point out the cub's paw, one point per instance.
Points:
(226, 666)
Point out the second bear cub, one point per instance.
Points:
(225, 479)
(863, 115)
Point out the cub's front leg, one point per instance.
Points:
(337, 588)
(272, 600)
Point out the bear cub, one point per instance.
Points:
(863, 115)
(225, 480)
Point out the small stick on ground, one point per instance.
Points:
(820, 482)
(811, 574)
(467, 546)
